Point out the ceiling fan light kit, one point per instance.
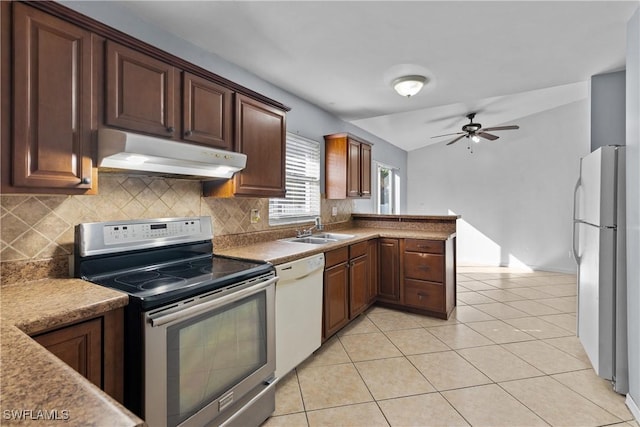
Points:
(409, 85)
(475, 131)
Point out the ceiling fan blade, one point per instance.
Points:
(449, 134)
(510, 127)
(457, 139)
(488, 136)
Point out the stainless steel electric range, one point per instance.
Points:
(199, 328)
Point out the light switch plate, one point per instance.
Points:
(334, 211)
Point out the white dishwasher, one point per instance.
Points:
(298, 311)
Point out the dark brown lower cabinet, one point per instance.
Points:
(389, 270)
(94, 348)
(336, 291)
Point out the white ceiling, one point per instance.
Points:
(504, 59)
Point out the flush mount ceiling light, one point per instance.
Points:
(409, 85)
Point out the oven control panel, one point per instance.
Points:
(137, 232)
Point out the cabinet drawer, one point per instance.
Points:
(357, 250)
(429, 296)
(421, 245)
(336, 256)
(424, 266)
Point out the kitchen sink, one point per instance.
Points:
(334, 236)
(314, 240)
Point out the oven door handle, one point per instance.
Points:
(205, 306)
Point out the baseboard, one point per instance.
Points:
(633, 407)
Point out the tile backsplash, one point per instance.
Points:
(39, 227)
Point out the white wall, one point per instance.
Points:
(304, 118)
(515, 194)
(633, 209)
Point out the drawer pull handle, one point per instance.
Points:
(421, 295)
(423, 267)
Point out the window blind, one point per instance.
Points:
(302, 175)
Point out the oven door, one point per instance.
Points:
(206, 353)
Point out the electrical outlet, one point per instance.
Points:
(334, 211)
(255, 216)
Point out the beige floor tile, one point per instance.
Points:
(501, 295)
(498, 363)
(394, 320)
(489, 405)
(364, 414)
(460, 289)
(538, 328)
(427, 322)
(500, 332)
(597, 390)
(566, 321)
(529, 293)
(448, 370)
(560, 290)
(557, 404)
(476, 285)
(545, 357)
(470, 314)
(500, 310)
(459, 336)
(330, 353)
(463, 278)
(421, 411)
(389, 378)
(475, 298)
(291, 420)
(328, 386)
(361, 325)
(416, 341)
(288, 395)
(369, 347)
(564, 304)
(533, 308)
(557, 279)
(514, 282)
(571, 345)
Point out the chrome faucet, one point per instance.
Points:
(307, 232)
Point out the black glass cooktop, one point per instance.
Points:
(169, 279)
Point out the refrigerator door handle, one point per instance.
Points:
(575, 223)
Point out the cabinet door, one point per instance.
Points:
(79, 346)
(336, 299)
(141, 92)
(260, 134)
(353, 169)
(206, 110)
(52, 109)
(358, 285)
(372, 252)
(389, 267)
(365, 170)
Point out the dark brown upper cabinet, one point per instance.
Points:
(142, 92)
(347, 167)
(51, 109)
(260, 133)
(206, 112)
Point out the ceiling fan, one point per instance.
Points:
(475, 131)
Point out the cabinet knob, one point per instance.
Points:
(170, 129)
(85, 181)
(188, 133)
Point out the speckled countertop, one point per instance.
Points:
(32, 379)
(281, 251)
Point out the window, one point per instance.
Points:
(388, 189)
(302, 201)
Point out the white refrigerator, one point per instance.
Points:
(599, 250)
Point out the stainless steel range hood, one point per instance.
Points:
(129, 151)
